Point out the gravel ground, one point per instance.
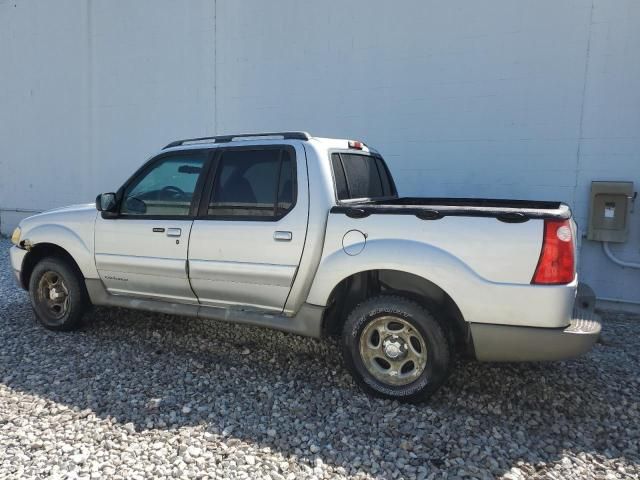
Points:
(137, 395)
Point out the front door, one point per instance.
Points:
(247, 242)
(143, 251)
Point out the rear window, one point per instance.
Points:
(361, 176)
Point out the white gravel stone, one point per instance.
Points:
(139, 395)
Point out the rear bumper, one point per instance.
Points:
(508, 343)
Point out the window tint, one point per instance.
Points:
(165, 189)
(388, 188)
(285, 185)
(361, 176)
(253, 183)
(341, 180)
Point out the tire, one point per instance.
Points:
(58, 295)
(418, 353)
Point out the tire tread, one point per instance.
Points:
(419, 314)
(79, 301)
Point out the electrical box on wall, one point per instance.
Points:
(609, 211)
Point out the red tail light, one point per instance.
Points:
(556, 264)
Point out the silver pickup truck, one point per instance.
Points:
(308, 235)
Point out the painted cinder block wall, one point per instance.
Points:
(514, 99)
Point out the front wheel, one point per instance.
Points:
(395, 348)
(58, 296)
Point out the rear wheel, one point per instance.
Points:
(58, 295)
(396, 349)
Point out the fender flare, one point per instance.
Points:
(67, 239)
(439, 267)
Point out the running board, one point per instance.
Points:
(307, 322)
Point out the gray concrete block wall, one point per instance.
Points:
(91, 89)
(511, 99)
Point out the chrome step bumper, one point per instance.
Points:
(509, 343)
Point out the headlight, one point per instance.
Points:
(15, 236)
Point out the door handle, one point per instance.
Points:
(174, 232)
(281, 236)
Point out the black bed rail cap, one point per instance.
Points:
(231, 138)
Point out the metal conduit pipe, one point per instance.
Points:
(616, 260)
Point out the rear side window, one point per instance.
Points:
(253, 184)
(361, 176)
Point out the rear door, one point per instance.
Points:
(143, 251)
(247, 241)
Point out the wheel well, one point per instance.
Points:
(40, 251)
(360, 286)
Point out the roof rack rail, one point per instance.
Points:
(230, 138)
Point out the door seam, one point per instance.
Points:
(186, 264)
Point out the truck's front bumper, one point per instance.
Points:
(17, 256)
(509, 343)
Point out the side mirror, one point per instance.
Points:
(106, 202)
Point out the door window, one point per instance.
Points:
(167, 188)
(253, 184)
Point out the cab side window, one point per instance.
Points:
(253, 184)
(361, 176)
(166, 188)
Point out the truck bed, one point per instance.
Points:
(434, 208)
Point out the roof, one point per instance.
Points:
(243, 136)
(336, 143)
